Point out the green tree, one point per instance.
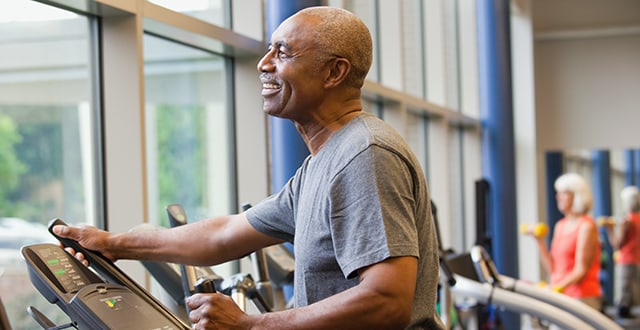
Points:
(181, 164)
(11, 168)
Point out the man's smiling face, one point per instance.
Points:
(290, 72)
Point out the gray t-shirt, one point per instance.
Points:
(362, 199)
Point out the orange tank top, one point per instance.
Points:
(630, 251)
(563, 255)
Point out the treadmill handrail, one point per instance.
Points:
(564, 302)
(512, 301)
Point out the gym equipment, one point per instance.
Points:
(104, 299)
(263, 283)
(4, 319)
(446, 276)
(606, 221)
(480, 281)
(191, 283)
(274, 266)
(488, 294)
(487, 273)
(241, 286)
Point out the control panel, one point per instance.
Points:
(94, 299)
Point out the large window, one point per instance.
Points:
(48, 139)
(211, 11)
(189, 130)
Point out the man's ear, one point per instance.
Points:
(339, 68)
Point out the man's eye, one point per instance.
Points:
(281, 54)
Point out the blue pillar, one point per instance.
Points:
(602, 207)
(498, 144)
(629, 168)
(554, 164)
(497, 118)
(287, 147)
(636, 167)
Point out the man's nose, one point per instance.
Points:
(266, 62)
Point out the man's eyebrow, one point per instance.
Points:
(279, 44)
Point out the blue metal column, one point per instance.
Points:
(602, 207)
(496, 110)
(554, 163)
(287, 147)
(497, 118)
(636, 167)
(629, 175)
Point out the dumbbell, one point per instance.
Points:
(545, 285)
(538, 230)
(606, 221)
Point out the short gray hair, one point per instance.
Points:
(630, 199)
(576, 184)
(343, 34)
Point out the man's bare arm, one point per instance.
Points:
(382, 300)
(206, 242)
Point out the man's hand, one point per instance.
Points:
(89, 237)
(216, 311)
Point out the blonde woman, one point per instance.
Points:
(573, 261)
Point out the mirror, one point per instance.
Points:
(608, 172)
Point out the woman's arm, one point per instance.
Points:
(545, 256)
(618, 238)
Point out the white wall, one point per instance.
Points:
(587, 92)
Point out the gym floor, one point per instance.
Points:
(626, 323)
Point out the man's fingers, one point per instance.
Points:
(194, 301)
(62, 231)
(77, 255)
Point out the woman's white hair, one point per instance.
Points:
(578, 187)
(630, 199)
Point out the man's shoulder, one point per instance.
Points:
(369, 129)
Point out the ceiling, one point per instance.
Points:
(584, 17)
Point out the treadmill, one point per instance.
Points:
(100, 296)
(469, 283)
(480, 281)
(488, 273)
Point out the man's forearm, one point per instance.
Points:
(354, 308)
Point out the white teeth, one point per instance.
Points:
(270, 86)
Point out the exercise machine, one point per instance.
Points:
(470, 283)
(100, 296)
(240, 287)
(4, 319)
(464, 279)
(271, 265)
(488, 273)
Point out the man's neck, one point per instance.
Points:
(317, 134)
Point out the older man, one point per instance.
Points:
(357, 209)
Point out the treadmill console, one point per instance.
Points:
(56, 269)
(90, 301)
